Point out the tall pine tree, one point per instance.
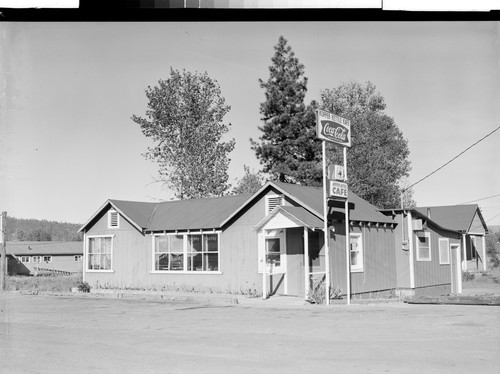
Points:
(288, 148)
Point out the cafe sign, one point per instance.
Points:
(337, 189)
(333, 128)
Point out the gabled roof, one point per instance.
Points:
(455, 217)
(193, 214)
(214, 213)
(32, 248)
(417, 214)
(311, 198)
(297, 214)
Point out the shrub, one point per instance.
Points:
(467, 276)
(83, 286)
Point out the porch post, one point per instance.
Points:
(464, 252)
(411, 251)
(264, 286)
(306, 263)
(484, 252)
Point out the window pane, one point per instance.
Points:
(195, 262)
(161, 261)
(273, 245)
(211, 242)
(176, 243)
(161, 243)
(354, 258)
(424, 252)
(273, 259)
(194, 243)
(176, 262)
(212, 261)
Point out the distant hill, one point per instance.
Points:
(41, 230)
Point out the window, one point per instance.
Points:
(444, 251)
(356, 249)
(36, 259)
(25, 259)
(112, 219)
(99, 252)
(78, 258)
(47, 258)
(272, 201)
(271, 253)
(424, 246)
(169, 252)
(186, 252)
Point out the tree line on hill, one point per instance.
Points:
(20, 229)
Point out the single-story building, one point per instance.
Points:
(468, 220)
(428, 255)
(34, 258)
(224, 244)
(267, 243)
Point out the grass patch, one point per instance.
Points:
(52, 283)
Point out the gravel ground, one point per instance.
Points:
(71, 334)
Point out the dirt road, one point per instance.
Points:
(47, 334)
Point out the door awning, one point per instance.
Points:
(294, 217)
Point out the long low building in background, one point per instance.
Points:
(42, 258)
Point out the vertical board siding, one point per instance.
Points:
(432, 273)
(379, 264)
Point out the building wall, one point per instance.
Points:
(133, 259)
(60, 262)
(432, 273)
(379, 264)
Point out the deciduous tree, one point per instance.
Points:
(378, 158)
(185, 120)
(249, 183)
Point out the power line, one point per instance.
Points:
(454, 158)
(484, 198)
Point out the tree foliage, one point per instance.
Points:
(288, 149)
(249, 183)
(493, 248)
(378, 158)
(41, 230)
(185, 120)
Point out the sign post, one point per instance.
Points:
(334, 129)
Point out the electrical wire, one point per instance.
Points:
(454, 158)
(484, 198)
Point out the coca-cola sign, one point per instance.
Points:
(333, 128)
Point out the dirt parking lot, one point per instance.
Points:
(68, 334)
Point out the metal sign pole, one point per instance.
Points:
(325, 228)
(347, 237)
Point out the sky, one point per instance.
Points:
(67, 143)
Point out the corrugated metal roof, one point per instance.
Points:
(139, 212)
(312, 197)
(44, 248)
(195, 214)
(455, 217)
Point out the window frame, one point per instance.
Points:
(441, 260)
(47, 259)
(36, 259)
(78, 258)
(186, 252)
(426, 234)
(359, 268)
(25, 259)
(112, 212)
(263, 254)
(87, 257)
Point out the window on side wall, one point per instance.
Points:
(36, 259)
(25, 259)
(47, 258)
(424, 246)
(99, 253)
(444, 251)
(78, 258)
(169, 252)
(356, 249)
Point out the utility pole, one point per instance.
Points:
(3, 252)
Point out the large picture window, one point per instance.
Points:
(356, 249)
(424, 246)
(187, 252)
(99, 253)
